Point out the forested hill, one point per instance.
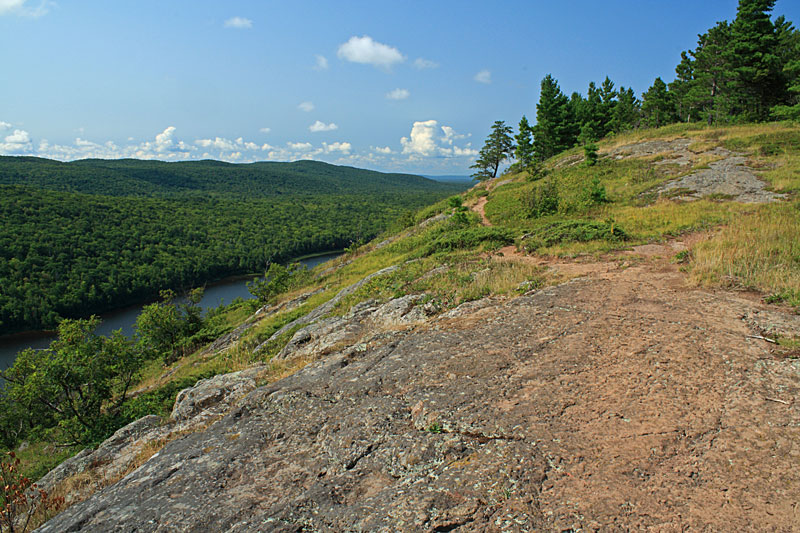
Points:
(134, 177)
(88, 236)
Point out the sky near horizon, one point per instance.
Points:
(394, 86)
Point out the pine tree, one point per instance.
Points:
(627, 111)
(712, 88)
(524, 152)
(658, 106)
(789, 52)
(498, 147)
(591, 116)
(554, 129)
(754, 60)
(609, 97)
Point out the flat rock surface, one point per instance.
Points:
(618, 401)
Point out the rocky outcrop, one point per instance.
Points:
(327, 307)
(619, 401)
(366, 318)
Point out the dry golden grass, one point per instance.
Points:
(760, 250)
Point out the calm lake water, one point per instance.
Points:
(223, 292)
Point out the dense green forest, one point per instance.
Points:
(743, 71)
(68, 251)
(133, 177)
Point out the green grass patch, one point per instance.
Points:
(567, 231)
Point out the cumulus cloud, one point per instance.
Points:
(306, 106)
(265, 130)
(239, 23)
(426, 141)
(321, 126)
(421, 63)
(4, 125)
(337, 147)
(223, 144)
(385, 150)
(24, 8)
(369, 52)
(422, 139)
(398, 94)
(322, 62)
(299, 146)
(483, 76)
(18, 142)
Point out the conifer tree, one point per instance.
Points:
(789, 52)
(627, 111)
(498, 147)
(524, 151)
(591, 116)
(753, 58)
(554, 129)
(658, 106)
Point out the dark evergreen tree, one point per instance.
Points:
(524, 151)
(627, 111)
(754, 60)
(498, 147)
(789, 52)
(609, 97)
(591, 116)
(658, 106)
(554, 131)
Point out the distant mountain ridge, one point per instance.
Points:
(134, 177)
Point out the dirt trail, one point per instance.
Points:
(479, 208)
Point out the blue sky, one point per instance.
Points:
(395, 86)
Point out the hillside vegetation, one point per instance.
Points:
(88, 236)
(519, 234)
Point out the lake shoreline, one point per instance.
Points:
(37, 339)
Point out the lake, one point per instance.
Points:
(222, 292)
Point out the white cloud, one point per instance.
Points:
(468, 151)
(483, 76)
(239, 23)
(421, 63)
(450, 135)
(164, 139)
(337, 147)
(382, 150)
(265, 130)
(300, 147)
(17, 143)
(321, 126)
(4, 125)
(322, 62)
(366, 51)
(306, 106)
(227, 145)
(398, 94)
(23, 8)
(422, 141)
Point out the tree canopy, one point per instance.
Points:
(498, 147)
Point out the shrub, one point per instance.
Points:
(20, 499)
(572, 231)
(542, 200)
(465, 239)
(454, 201)
(596, 192)
(590, 154)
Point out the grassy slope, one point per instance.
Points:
(745, 246)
